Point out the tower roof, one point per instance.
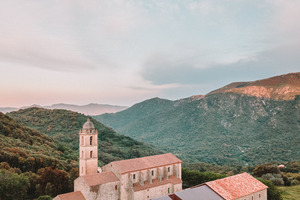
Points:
(88, 124)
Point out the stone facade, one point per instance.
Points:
(134, 179)
(260, 195)
(88, 149)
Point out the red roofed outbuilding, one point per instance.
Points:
(70, 196)
(242, 186)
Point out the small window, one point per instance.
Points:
(168, 169)
(91, 154)
(81, 140)
(259, 195)
(116, 187)
(252, 197)
(152, 173)
(81, 154)
(82, 170)
(168, 190)
(133, 176)
(91, 140)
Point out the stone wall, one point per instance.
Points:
(261, 195)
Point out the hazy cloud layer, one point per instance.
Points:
(129, 50)
(285, 59)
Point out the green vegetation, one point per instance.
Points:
(64, 126)
(273, 192)
(229, 128)
(41, 166)
(13, 185)
(47, 182)
(192, 178)
(291, 192)
(29, 150)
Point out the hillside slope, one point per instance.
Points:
(28, 149)
(64, 126)
(283, 87)
(133, 114)
(222, 128)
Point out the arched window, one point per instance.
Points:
(91, 154)
(91, 140)
(81, 140)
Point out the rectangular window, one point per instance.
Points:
(168, 169)
(259, 195)
(133, 176)
(152, 173)
(168, 190)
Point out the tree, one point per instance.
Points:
(44, 197)
(273, 192)
(73, 174)
(265, 169)
(53, 181)
(192, 178)
(33, 178)
(12, 185)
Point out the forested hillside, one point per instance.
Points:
(64, 126)
(219, 128)
(28, 149)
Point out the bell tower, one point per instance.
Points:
(88, 149)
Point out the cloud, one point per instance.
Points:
(286, 18)
(161, 70)
(65, 35)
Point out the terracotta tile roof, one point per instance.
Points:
(72, 196)
(155, 182)
(237, 186)
(148, 162)
(100, 178)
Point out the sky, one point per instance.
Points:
(122, 52)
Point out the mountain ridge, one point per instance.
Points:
(282, 87)
(222, 128)
(88, 109)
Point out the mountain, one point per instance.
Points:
(283, 87)
(89, 109)
(64, 125)
(223, 128)
(8, 109)
(28, 149)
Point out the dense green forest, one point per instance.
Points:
(33, 164)
(29, 150)
(64, 126)
(38, 166)
(231, 129)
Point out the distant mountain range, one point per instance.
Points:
(89, 109)
(241, 123)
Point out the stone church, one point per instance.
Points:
(134, 179)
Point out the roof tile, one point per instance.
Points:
(72, 196)
(100, 178)
(237, 186)
(148, 162)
